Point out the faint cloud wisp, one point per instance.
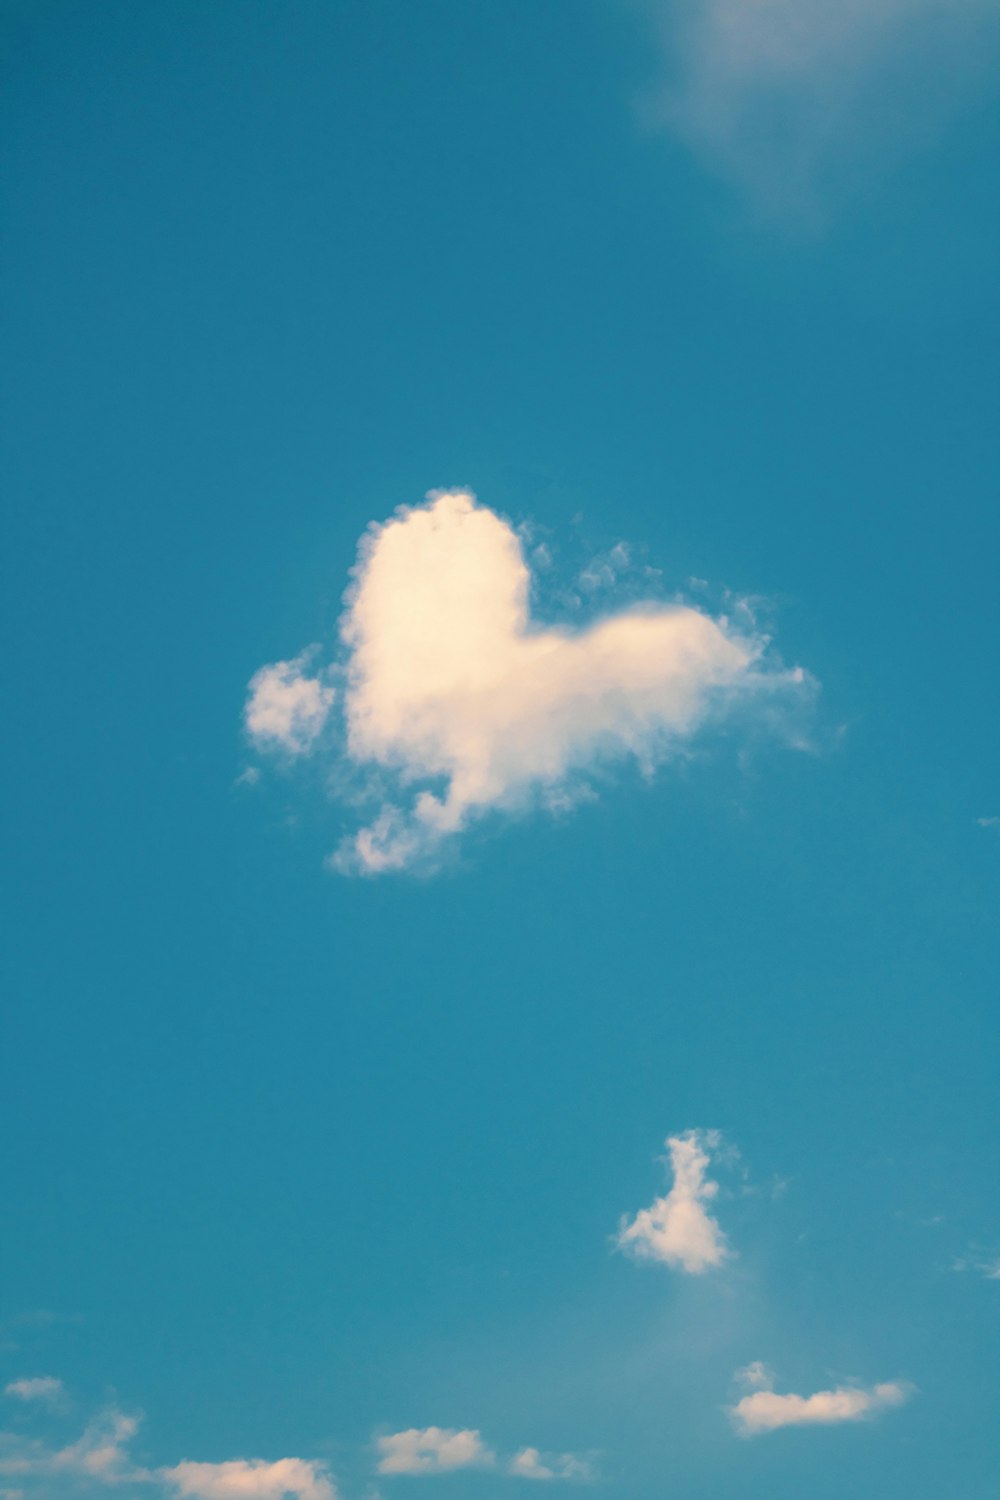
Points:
(777, 95)
(35, 1388)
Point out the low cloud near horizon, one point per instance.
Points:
(100, 1460)
(456, 703)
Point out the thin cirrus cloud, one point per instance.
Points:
(678, 1230)
(777, 94)
(35, 1388)
(764, 1410)
(987, 1266)
(456, 703)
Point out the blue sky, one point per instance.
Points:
(500, 991)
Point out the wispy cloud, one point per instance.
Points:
(459, 704)
(987, 1266)
(433, 1450)
(776, 93)
(993, 824)
(755, 1376)
(100, 1453)
(678, 1228)
(35, 1388)
(764, 1410)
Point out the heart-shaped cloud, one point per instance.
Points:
(449, 682)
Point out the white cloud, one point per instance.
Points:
(678, 1229)
(451, 684)
(286, 709)
(36, 1388)
(765, 1411)
(991, 823)
(529, 1463)
(774, 92)
(432, 1450)
(99, 1453)
(252, 1479)
(99, 1459)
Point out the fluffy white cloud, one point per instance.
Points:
(432, 1450)
(286, 709)
(36, 1388)
(678, 1229)
(252, 1479)
(450, 683)
(529, 1463)
(765, 1411)
(773, 92)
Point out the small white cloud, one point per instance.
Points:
(678, 1229)
(765, 1411)
(36, 1388)
(992, 823)
(252, 1479)
(433, 1450)
(529, 1463)
(286, 709)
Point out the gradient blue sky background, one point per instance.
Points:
(293, 1160)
